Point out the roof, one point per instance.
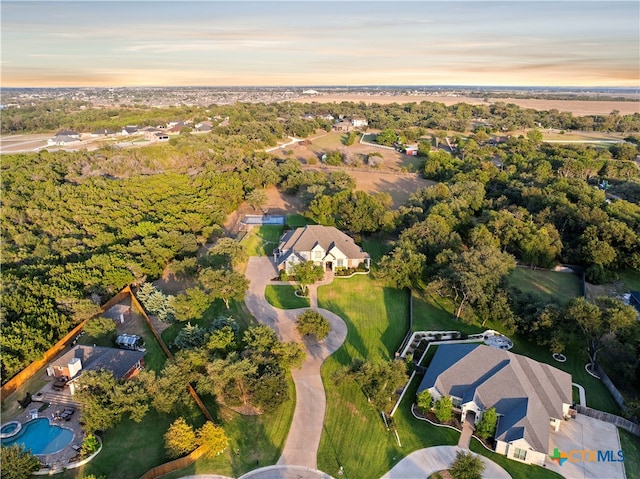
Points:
(67, 133)
(130, 129)
(524, 392)
(634, 299)
(103, 131)
(94, 358)
(307, 237)
(65, 139)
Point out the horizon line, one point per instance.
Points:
(373, 85)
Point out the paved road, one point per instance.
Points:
(301, 448)
(425, 462)
(286, 472)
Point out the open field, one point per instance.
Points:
(546, 284)
(577, 107)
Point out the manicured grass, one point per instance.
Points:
(630, 444)
(516, 470)
(296, 221)
(431, 313)
(376, 249)
(354, 434)
(260, 241)
(546, 284)
(283, 297)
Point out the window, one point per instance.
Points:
(317, 255)
(520, 454)
(340, 263)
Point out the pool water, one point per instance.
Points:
(41, 437)
(9, 428)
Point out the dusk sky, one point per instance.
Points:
(586, 43)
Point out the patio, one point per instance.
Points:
(589, 434)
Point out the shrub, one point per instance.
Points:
(180, 438)
(466, 466)
(424, 401)
(89, 445)
(284, 276)
(487, 426)
(214, 437)
(443, 409)
(313, 323)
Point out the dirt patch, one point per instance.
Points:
(577, 107)
(616, 290)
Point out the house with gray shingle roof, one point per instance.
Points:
(124, 364)
(326, 246)
(531, 398)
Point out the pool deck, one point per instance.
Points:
(58, 400)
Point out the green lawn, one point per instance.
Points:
(546, 284)
(354, 434)
(630, 444)
(260, 241)
(283, 297)
(296, 221)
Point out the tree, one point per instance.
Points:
(180, 438)
(222, 340)
(379, 380)
(99, 328)
(403, 267)
(466, 465)
(226, 253)
(191, 336)
(474, 274)
(313, 323)
(487, 426)
(424, 401)
(307, 273)
(605, 316)
(535, 136)
(257, 198)
(17, 463)
(191, 304)
(260, 338)
(386, 137)
(443, 409)
(351, 138)
(213, 437)
(223, 284)
(105, 400)
(289, 355)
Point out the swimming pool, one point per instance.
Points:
(41, 437)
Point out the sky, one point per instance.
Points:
(271, 43)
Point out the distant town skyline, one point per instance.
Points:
(270, 43)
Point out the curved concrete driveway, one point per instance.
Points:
(425, 462)
(302, 444)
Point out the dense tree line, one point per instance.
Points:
(271, 122)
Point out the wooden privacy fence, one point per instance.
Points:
(632, 427)
(163, 345)
(175, 465)
(610, 386)
(27, 373)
